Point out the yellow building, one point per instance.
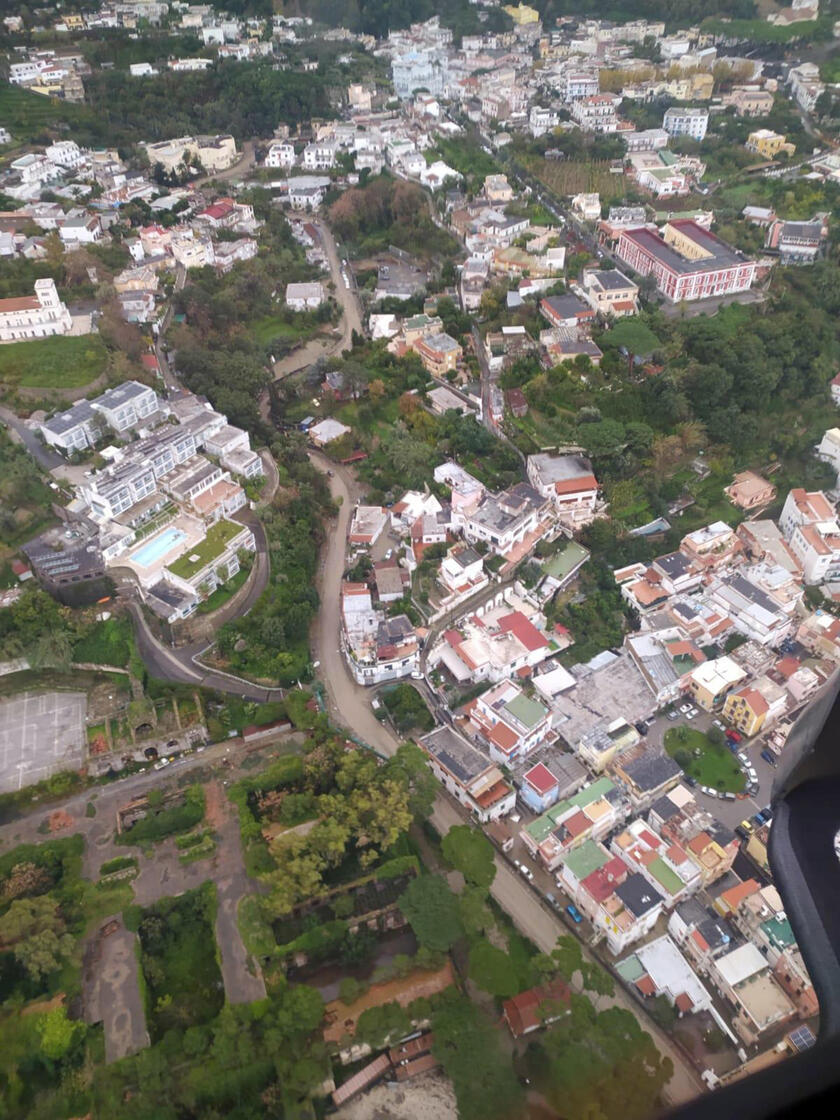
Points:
(757, 847)
(710, 682)
(767, 143)
(522, 14)
(746, 709)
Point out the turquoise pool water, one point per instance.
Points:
(158, 546)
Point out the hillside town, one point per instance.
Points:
(419, 552)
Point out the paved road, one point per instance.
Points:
(239, 170)
(113, 997)
(42, 455)
(351, 318)
(347, 703)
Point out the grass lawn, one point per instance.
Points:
(270, 327)
(53, 363)
(714, 766)
(221, 595)
(210, 549)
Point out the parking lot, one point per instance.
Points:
(40, 734)
(727, 812)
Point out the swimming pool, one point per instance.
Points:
(158, 546)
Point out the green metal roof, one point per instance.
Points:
(542, 826)
(587, 858)
(665, 876)
(779, 932)
(529, 712)
(561, 563)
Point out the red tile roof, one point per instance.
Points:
(577, 823)
(541, 778)
(683, 1002)
(529, 1010)
(522, 628)
(646, 986)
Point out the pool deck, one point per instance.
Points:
(194, 532)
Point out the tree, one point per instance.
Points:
(493, 971)
(596, 979)
(58, 1033)
(473, 910)
(432, 912)
(410, 766)
(37, 933)
(470, 852)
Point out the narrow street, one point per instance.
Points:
(351, 314)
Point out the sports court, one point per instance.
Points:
(40, 734)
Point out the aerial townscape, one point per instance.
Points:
(419, 552)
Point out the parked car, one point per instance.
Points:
(743, 756)
(734, 735)
(719, 724)
(526, 872)
(574, 913)
(684, 708)
(517, 865)
(641, 727)
(673, 715)
(515, 817)
(768, 813)
(552, 901)
(769, 757)
(690, 715)
(689, 781)
(744, 830)
(728, 796)
(709, 792)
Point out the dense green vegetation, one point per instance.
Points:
(378, 17)
(407, 709)
(388, 211)
(178, 957)
(598, 1063)
(165, 820)
(24, 506)
(45, 908)
(271, 642)
(110, 642)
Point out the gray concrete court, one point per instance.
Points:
(40, 734)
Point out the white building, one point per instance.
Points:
(686, 122)
(467, 774)
(281, 154)
(126, 405)
(38, 316)
(320, 155)
(65, 154)
(569, 483)
(304, 296)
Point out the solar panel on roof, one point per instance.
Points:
(802, 1038)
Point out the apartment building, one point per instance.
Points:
(588, 815)
(597, 113)
(687, 261)
(467, 774)
(508, 722)
(127, 405)
(686, 122)
(506, 519)
(610, 293)
(710, 682)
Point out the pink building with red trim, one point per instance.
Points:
(687, 261)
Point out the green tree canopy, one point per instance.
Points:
(432, 912)
(471, 853)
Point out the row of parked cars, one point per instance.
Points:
(550, 898)
(747, 827)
